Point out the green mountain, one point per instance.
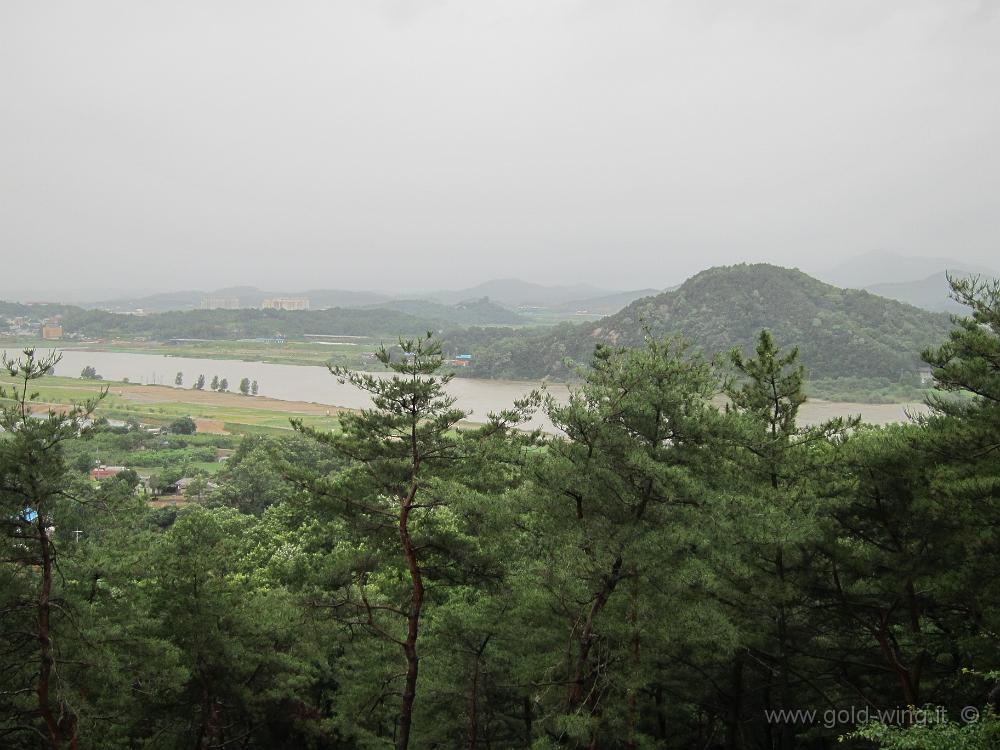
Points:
(839, 332)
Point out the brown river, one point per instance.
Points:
(316, 384)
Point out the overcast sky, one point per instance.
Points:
(156, 145)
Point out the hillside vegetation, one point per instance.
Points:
(840, 332)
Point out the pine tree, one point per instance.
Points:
(908, 581)
(774, 481)
(969, 363)
(33, 481)
(396, 502)
(618, 500)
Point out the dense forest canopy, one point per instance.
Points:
(662, 573)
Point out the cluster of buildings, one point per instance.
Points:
(22, 326)
(286, 303)
(50, 329)
(220, 303)
(174, 491)
(272, 303)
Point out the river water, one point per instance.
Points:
(316, 384)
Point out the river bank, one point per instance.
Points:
(312, 392)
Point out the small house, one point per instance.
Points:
(105, 472)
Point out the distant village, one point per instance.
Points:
(49, 328)
(159, 492)
(273, 303)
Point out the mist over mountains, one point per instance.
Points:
(919, 281)
(509, 292)
(883, 267)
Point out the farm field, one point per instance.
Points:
(289, 353)
(214, 412)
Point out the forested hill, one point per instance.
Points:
(840, 332)
(390, 320)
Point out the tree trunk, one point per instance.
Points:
(735, 705)
(586, 639)
(528, 720)
(46, 658)
(787, 736)
(412, 623)
(633, 693)
(474, 697)
(474, 706)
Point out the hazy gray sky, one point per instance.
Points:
(154, 145)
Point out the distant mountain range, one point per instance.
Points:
(879, 267)
(917, 281)
(840, 332)
(922, 282)
(932, 293)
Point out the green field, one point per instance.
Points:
(289, 353)
(128, 402)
